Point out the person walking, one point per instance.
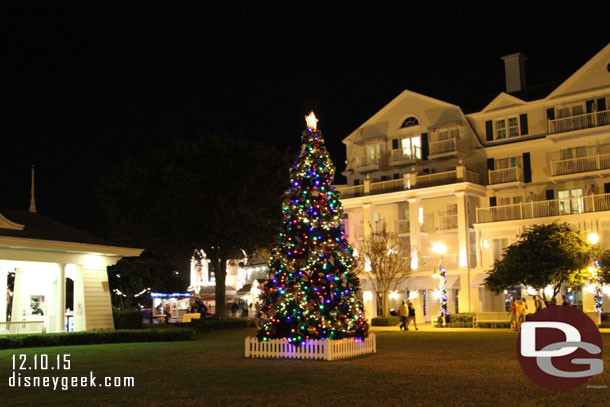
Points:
(411, 310)
(522, 311)
(168, 313)
(403, 312)
(514, 315)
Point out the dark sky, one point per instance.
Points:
(83, 88)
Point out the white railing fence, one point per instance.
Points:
(583, 121)
(387, 186)
(581, 164)
(443, 146)
(540, 209)
(21, 327)
(506, 175)
(351, 192)
(440, 178)
(327, 349)
(402, 155)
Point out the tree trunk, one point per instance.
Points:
(220, 275)
(385, 306)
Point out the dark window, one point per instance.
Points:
(396, 176)
(385, 178)
(356, 182)
(410, 122)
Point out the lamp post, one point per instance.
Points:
(598, 297)
(441, 249)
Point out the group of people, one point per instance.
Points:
(243, 307)
(518, 309)
(407, 314)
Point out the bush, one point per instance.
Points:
(463, 320)
(213, 324)
(95, 337)
(127, 319)
(385, 321)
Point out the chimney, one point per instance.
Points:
(514, 68)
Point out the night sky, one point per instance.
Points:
(83, 88)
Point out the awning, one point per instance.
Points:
(479, 280)
(431, 283)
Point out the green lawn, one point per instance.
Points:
(414, 368)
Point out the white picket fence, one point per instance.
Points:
(327, 349)
(21, 327)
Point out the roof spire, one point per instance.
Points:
(32, 197)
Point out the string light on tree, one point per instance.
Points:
(442, 275)
(313, 292)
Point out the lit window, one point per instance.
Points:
(507, 127)
(411, 147)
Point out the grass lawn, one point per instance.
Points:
(409, 369)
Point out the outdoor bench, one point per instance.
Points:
(491, 317)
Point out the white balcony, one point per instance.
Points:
(508, 176)
(541, 209)
(440, 178)
(402, 157)
(351, 192)
(445, 148)
(370, 162)
(579, 165)
(448, 221)
(583, 121)
(387, 186)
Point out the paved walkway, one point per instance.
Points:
(429, 328)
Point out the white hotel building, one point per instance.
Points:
(475, 181)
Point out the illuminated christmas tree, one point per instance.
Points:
(313, 292)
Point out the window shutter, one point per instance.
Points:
(490, 164)
(395, 144)
(550, 194)
(492, 201)
(523, 120)
(589, 105)
(527, 168)
(607, 188)
(550, 113)
(601, 104)
(425, 148)
(489, 130)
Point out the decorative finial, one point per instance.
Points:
(311, 121)
(32, 197)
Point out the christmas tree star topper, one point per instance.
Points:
(311, 121)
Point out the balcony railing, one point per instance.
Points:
(512, 174)
(581, 164)
(541, 209)
(368, 160)
(583, 121)
(402, 156)
(403, 226)
(448, 221)
(441, 178)
(472, 176)
(443, 146)
(351, 192)
(387, 186)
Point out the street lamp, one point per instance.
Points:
(441, 249)
(598, 296)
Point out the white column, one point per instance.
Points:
(464, 251)
(3, 288)
(61, 298)
(414, 231)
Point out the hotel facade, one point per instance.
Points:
(434, 173)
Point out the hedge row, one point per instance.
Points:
(463, 320)
(95, 337)
(213, 324)
(127, 319)
(385, 321)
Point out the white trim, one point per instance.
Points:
(68, 247)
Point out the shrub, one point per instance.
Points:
(385, 321)
(462, 320)
(95, 337)
(213, 324)
(127, 319)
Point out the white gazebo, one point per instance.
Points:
(43, 262)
